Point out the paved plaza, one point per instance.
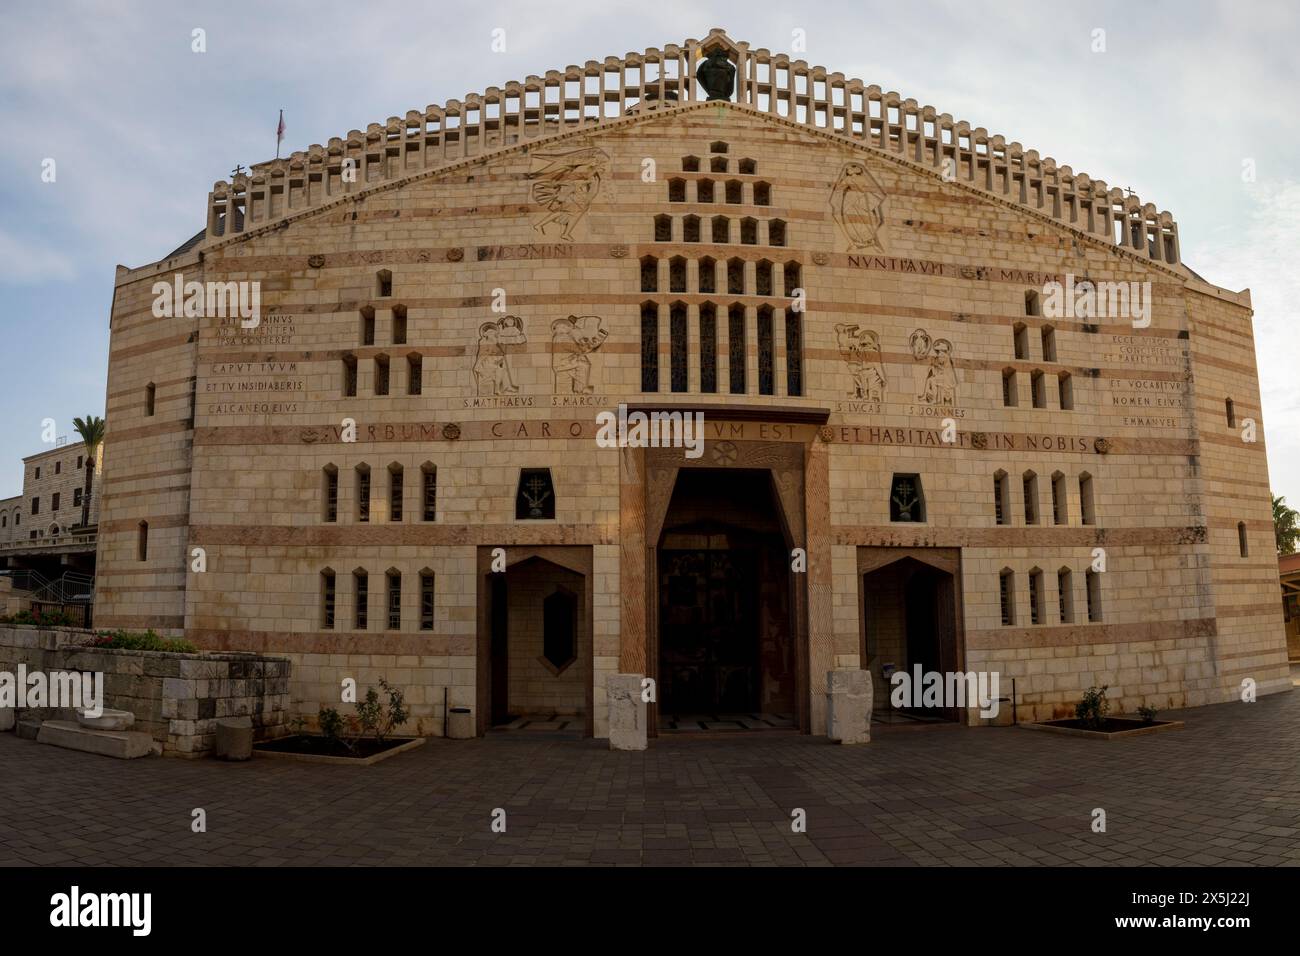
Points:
(1225, 790)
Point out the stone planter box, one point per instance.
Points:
(1137, 728)
(176, 698)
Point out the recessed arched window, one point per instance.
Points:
(748, 167)
(1010, 393)
(1047, 335)
(360, 599)
(721, 229)
(649, 347)
(1038, 388)
(677, 190)
(1007, 596)
(677, 346)
(367, 333)
(718, 164)
(1032, 302)
(1087, 512)
(1020, 340)
(708, 347)
(691, 229)
(677, 274)
(735, 277)
(1242, 543)
(384, 283)
(393, 598)
(762, 194)
(704, 190)
(1035, 596)
(381, 375)
(362, 474)
(663, 228)
(735, 192)
(399, 325)
(793, 278)
(690, 164)
(736, 348)
(763, 277)
(766, 352)
(142, 541)
(776, 232)
(1230, 411)
(749, 232)
(414, 374)
(150, 393)
(708, 275)
(428, 492)
(395, 481)
(1059, 512)
(793, 352)
(327, 599)
(349, 367)
(426, 599)
(535, 496)
(1029, 482)
(330, 493)
(1001, 499)
(1065, 595)
(717, 147)
(1065, 390)
(1093, 581)
(649, 274)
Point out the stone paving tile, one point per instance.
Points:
(1223, 791)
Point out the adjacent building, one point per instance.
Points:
(963, 408)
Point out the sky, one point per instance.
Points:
(1185, 99)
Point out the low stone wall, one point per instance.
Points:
(176, 698)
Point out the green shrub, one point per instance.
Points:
(137, 641)
(44, 619)
(1092, 708)
(331, 725)
(1147, 713)
(377, 720)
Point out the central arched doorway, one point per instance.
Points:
(726, 637)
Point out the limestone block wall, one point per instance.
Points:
(535, 687)
(176, 698)
(141, 569)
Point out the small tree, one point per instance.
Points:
(1092, 708)
(1286, 526)
(91, 430)
(375, 719)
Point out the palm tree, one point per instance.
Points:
(91, 430)
(1286, 525)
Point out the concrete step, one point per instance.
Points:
(124, 744)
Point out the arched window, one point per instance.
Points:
(428, 492)
(649, 347)
(762, 194)
(367, 332)
(776, 232)
(327, 599)
(649, 274)
(381, 374)
(399, 325)
(691, 229)
(1065, 390)
(1093, 580)
(749, 231)
(330, 493)
(1029, 482)
(1007, 596)
(708, 348)
(1001, 499)
(426, 599)
(384, 283)
(1010, 392)
(704, 190)
(360, 599)
(1087, 511)
(677, 190)
(1242, 544)
(1065, 595)
(150, 392)
(1060, 514)
(393, 598)
(736, 348)
(748, 167)
(766, 352)
(793, 352)
(1038, 388)
(1047, 335)
(142, 541)
(395, 481)
(677, 274)
(677, 346)
(708, 278)
(735, 277)
(1020, 340)
(1035, 596)
(349, 367)
(690, 164)
(718, 164)
(721, 229)
(735, 192)
(1230, 411)
(362, 473)
(414, 374)
(663, 229)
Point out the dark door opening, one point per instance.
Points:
(910, 618)
(726, 645)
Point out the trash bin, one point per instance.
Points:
(460, 723)
(1004, 717)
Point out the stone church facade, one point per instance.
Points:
(908, 457)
